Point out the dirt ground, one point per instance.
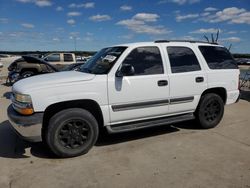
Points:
(169, 156)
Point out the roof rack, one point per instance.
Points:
(191, 41)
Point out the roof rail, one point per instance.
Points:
(191, 41)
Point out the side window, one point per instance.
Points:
(182, 59)
(53, 57)
(218, 57)
(67, 57)
(145, 60)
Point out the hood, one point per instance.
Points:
(50, 80)
(30, 59)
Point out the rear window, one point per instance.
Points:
(218, 57)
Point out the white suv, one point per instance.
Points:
(123, 88)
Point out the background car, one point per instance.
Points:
(34, 66)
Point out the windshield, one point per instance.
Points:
(103, 61)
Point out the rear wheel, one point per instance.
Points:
(71, 132)
(210, 110)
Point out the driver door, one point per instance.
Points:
(144, 94)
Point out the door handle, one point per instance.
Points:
(162, 83)
(199, 79)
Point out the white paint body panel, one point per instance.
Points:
(108, 90)
(53, 88)
(136, 89)
(184, 84)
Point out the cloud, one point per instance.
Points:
(203, 31)
(146, 17)
(210, 9)
(140, 23)
(74, 14)
(89, 5)
(59, 8)
(179, 2)
(56, 39)
(100, 18)
(74, 34)
(126, 37)
(24, 1)
(28, 25)
(231, 39)
(231, 32)
(180, 18)
(242, 18)
(43, 3)
(83, 5)
(205, 14)
(88, 37)
(125, 8)
(71, 21)
(232, 15)
(4, 20)
(40, 3)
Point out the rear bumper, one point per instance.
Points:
(238, 98)
(28, 127)
(233, 96)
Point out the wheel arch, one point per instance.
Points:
(222, 92)
(90, 105)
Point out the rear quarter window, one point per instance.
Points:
(218, 57)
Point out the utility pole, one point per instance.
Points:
(75, 42)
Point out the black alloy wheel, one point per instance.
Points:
(71, 132)
(210, 110)
(74, 133)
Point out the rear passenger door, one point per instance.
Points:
(187, 77)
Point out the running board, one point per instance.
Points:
(124, 127)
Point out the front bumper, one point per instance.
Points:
(28, 127)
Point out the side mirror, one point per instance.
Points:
(125, 70)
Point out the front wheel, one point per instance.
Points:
(210, 110)
(71, 132)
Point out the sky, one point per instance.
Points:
(39, 25)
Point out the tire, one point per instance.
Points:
(71, 132)
(26, 74)
(209, 111)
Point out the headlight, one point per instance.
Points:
(22, 104)
(22, 98)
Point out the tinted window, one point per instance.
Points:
(218, 57)
(53, 57)
(68, 57)
(145, 60)
(182, 59)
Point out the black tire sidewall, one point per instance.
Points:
(200, 111)
(56, 122)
